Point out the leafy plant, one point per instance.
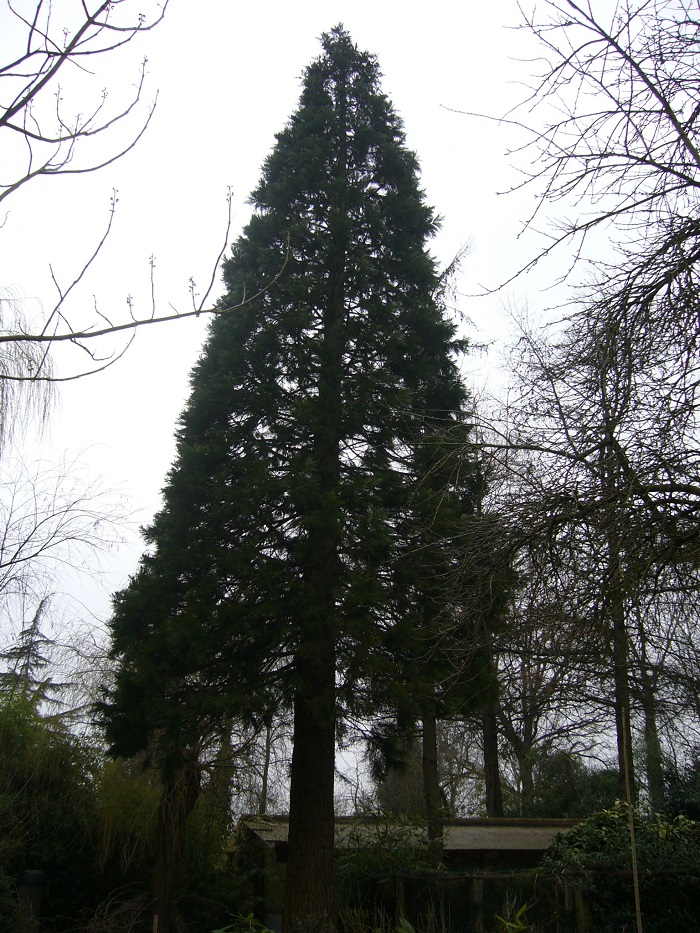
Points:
(596, 855)
(244, 924)
(375, 847)
(48, 806)
(518, 924)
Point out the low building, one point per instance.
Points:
(470, 847)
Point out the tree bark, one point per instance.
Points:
(652, 744)
(309, 904)
(614, 617)
(492, 776)
(527, 780)
(431, 784)
(625, 760)
(180, 793)
(262, 799)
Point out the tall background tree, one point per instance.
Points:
(600, 436)
(272, 572)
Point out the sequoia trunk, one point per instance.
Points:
(310, 892)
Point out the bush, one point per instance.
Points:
(566, 787)
(597, 856)
(682, 787)
(373, 849)
(47, 805)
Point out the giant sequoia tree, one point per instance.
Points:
(274, 565)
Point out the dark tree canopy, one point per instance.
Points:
(315, 410)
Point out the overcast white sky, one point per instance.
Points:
(228, 77)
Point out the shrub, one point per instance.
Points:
(597, 856)
(373, 849)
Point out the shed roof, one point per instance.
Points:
(465, 835)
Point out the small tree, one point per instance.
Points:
(26, 662)
(565, 786)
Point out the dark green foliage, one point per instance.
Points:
(682, 788)
(372, 849)
(565, 787)
(127, 800)
(129, 796)
(207, 892)
(26, 662)
(399, 783)
(310, 463)
(48, 813)
(9, 905)
(244, 923)
(597, 853)
(454, 584)
(247, 860)
(87, 825)
(299, 430)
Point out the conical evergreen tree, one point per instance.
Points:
(273, 569)
(26, 662)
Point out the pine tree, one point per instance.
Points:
(26, 662)
(273, 572)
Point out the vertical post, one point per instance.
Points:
(569, 906)
(431, 784)
(400, 897)
(630, 815)
(584, 920)
(29, 895)
(478, 905)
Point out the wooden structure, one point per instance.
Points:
(476, 852)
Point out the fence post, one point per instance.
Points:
(584, 919)
(400, 897)
(477, 905)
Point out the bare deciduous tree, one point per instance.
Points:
(601, 458)
(614, 126)
(603, 452)
(56, 120)
(50, 518)
(44, 134)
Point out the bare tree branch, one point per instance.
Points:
(31, 78)
(57, 139)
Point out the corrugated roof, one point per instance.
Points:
(269, 831)
(460, 835)
(473, 838)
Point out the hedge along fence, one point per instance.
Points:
(595, 859)
(473, 902)
(493, 902)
